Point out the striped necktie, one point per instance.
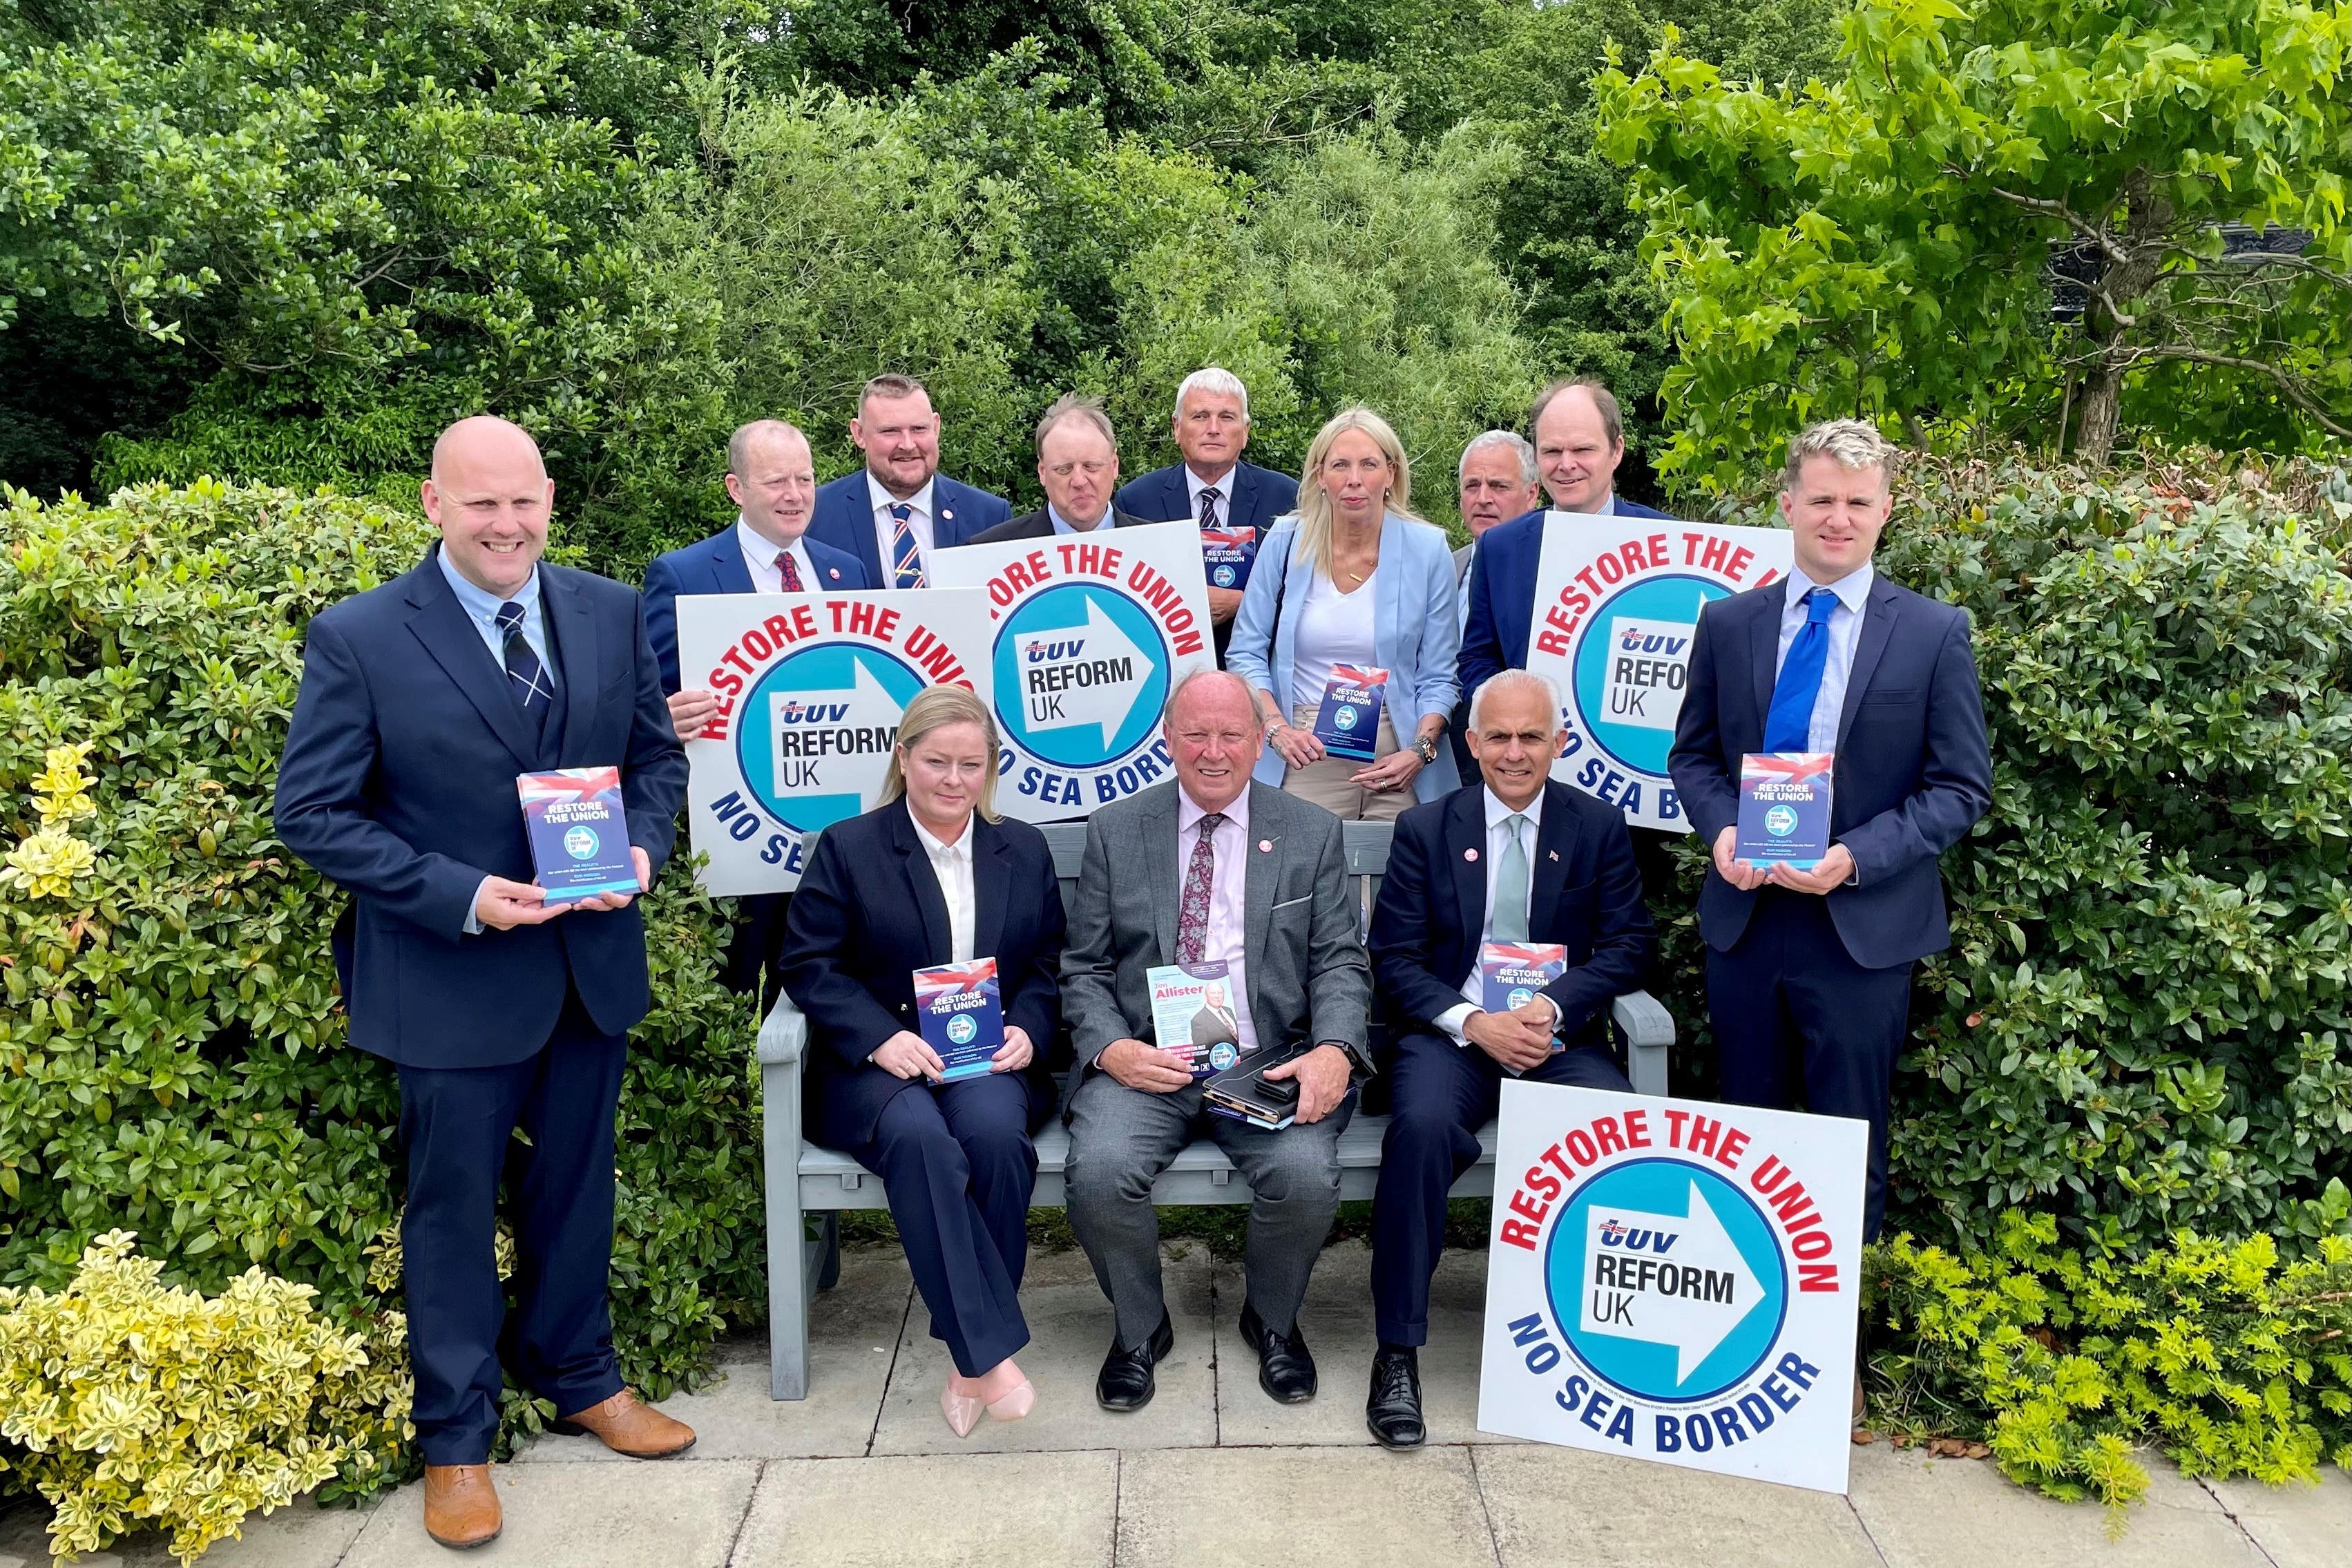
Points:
(1210, 497)
(905, 559)
(525, 674)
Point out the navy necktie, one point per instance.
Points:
(524, 672)
(906, 556)
(1788, 722)
(1210, 497)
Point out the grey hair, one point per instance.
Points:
(1511, 438)
(1852, 443)
(1076, 406)
(1211, 378)
(1206, 672)
(1519, 680)
(739, 445)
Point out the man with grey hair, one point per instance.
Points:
(1517, 857)
(1809, 972)
(773, 482)
(1213, 485)
(1078, 468)
(1496, 476)
(1232, 881)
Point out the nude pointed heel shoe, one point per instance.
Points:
(1014, 1405)
(962, 1410)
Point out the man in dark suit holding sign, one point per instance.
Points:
(421, 700)
(1809, 972)
(1518, 859)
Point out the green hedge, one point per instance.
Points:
(171, 1058)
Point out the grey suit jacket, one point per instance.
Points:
(1302, 956)
(1462, 564)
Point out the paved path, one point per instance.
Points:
(864, 1474)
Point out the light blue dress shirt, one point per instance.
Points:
(481, 607)
(1853, 592)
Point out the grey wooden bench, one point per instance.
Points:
(804, 1179)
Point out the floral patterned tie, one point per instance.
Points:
(789, 570)
(1193, 915)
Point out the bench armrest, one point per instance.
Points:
(783, 1038)
(1647, 1029)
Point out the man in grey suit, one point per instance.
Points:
(1208, 868)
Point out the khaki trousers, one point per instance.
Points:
(1327, 783)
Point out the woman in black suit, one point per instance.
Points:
(932, 877)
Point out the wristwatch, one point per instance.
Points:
(1426, 750)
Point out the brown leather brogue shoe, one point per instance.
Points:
(461, 1505)
(627, 1425)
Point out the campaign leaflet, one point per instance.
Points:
(579, 833)
(1349, 724)
(1784, 808)
(1511, 973)
(1193, 1012)
(1226, 554)
(963, 1015)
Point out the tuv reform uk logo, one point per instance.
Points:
(1674, 1281)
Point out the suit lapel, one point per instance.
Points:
(727, 568)
(1465, 853)
(1262, 876)
(1555, 853)
(1178, 496)
(447, 633)
(1160, 857)
(1877, 626)
(576, 652)
(915, 865)
(1241, 502)
(1764, 648)
(992, 878)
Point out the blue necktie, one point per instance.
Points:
(1789, 723)
(524, 672)
(906, 560)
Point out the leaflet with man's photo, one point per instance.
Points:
(1193, 1016)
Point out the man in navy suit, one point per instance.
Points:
(1078, 468)
(1809, 972)
(421, 701)
(892, 514)
(772, 478)
(1519, 857)
(1213, 485)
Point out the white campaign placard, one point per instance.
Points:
(810, 690)
(1674, 1281)
(1091, 632)
(1617, 602)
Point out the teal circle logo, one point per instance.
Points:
(1781, 821)
(1665, 1280)
(1628, 681)
(1345, 718)
(1223, 1053)
(1223, 576)
(961, 1029)
(1082, 673)
(814, 734)
(1520, 996)
(580, 842)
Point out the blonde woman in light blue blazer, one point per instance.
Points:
(1353, 577)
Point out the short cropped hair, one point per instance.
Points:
(1519, 680)
(739, 445)
(1612, 421)
(935, 708)
(1076, 406)
(1212, 378)
(888, 386)
(1852, 443)
(1520, 446)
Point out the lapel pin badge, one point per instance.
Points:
(1469, 854)
(1555, 854)
(833, 573)
(946, 515)
(1265, 845)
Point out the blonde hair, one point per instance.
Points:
(1315, 506)
(936, 707)
(1852, 445)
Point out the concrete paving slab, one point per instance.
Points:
(299, 1535)
(2298, 1526)
(853, 1332)
(1932, 1513)
(1070, 1327)
(673, 1513)
(1555, 1505)
(1301, 1508)
(1338, 1319)
(1003, 1510)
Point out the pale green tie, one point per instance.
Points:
(1510, 920)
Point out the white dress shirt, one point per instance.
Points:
(885, 527)
(1194, 484)
(1064, 525)
(952, 864)
(1853, 592)
(1498, 836)
(1228, 883)
(759, 556)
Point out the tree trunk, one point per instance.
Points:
(2102, 395)
(2146, 226)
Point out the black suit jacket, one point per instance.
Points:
(1584, 893)
(1037, 525)
(868, 914)
(1913, 766)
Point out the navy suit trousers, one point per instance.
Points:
(457, 1126)
(1793, 1010)
(1444, 1094)
(959, 1167)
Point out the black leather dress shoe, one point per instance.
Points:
(1125, 1382)
(1284, 1368)
(1392, 1409)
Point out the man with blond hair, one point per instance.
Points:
(1809, 972)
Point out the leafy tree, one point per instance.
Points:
(1882, 244)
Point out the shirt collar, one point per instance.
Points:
(939, 848)
(879, 498)
(1852, 590)
(1064, 525)
(479, 601)
(1497, 811)
(1187, 814)
(759, 548)
(1194, 484)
